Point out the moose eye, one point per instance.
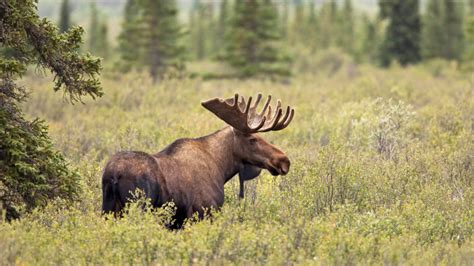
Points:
(253, 140)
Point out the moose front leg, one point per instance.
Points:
(247, 172)
(241, 187)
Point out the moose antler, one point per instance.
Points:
(243, 117)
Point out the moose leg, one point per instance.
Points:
(241, 187)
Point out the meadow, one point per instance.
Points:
(382, 172)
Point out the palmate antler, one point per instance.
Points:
(241, 116)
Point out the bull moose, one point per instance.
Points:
(192, 172)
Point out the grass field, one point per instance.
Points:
(382, 173)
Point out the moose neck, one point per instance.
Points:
(221, 146)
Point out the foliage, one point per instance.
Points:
(31, 171)
(402, 37)
(469, 51)
(64, 16)
(252, 40)
(157, 33)
(130, 44)
(381, 173)
(98, 34)
(453, 29)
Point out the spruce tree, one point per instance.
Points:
(298, 24)
(98, 31)
(453, 30)
(469, 33)
(369, 47)
(252, 42)
(222, 24)
(102, 41)
(130, 39)
(162, 34)
(285, 17)
(433, 38)
(347, 25)
(402, 36)
(312, 28)
(199, 34)
(64, 16)
(328, 25)
(31, 170)
(94, 31)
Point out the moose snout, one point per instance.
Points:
(282, 165)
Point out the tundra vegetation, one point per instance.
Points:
(382, 172)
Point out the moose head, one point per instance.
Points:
(249, 148)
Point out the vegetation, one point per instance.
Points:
(65, 16)
(155, 28)
(382, 159)
(98, 34)
(252, 46)
(31, 170)
(381, 173)
(402, 37)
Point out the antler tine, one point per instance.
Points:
(236, 100)
(267, 103)
(247, 107)
(259, 97)
(286, 119)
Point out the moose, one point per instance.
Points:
(192, 172)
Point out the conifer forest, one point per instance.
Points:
(122, 143)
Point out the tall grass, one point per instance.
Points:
(382, 173)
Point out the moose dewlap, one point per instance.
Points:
(192, 172)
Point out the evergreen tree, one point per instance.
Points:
(347, 32)
(285, 18)
(102, 41)
(369, 46)
(298, 29)
(221, 28)
(130, 38)
(31, 171)
(252, 42)
(433, 32)
(161, 37)
(312, 28)
(211, 29)
(328, 25)
(453, 30)
(199, 32)
(94, 31)
(469, 33)
(64, 16)
(402, 37)
(98, 31)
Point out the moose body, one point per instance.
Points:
(192, 172)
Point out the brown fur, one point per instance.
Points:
(189, 172)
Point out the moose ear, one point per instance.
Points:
(249, 172)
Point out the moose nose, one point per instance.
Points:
(284, 165)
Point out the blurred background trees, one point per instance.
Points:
(369, 32)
